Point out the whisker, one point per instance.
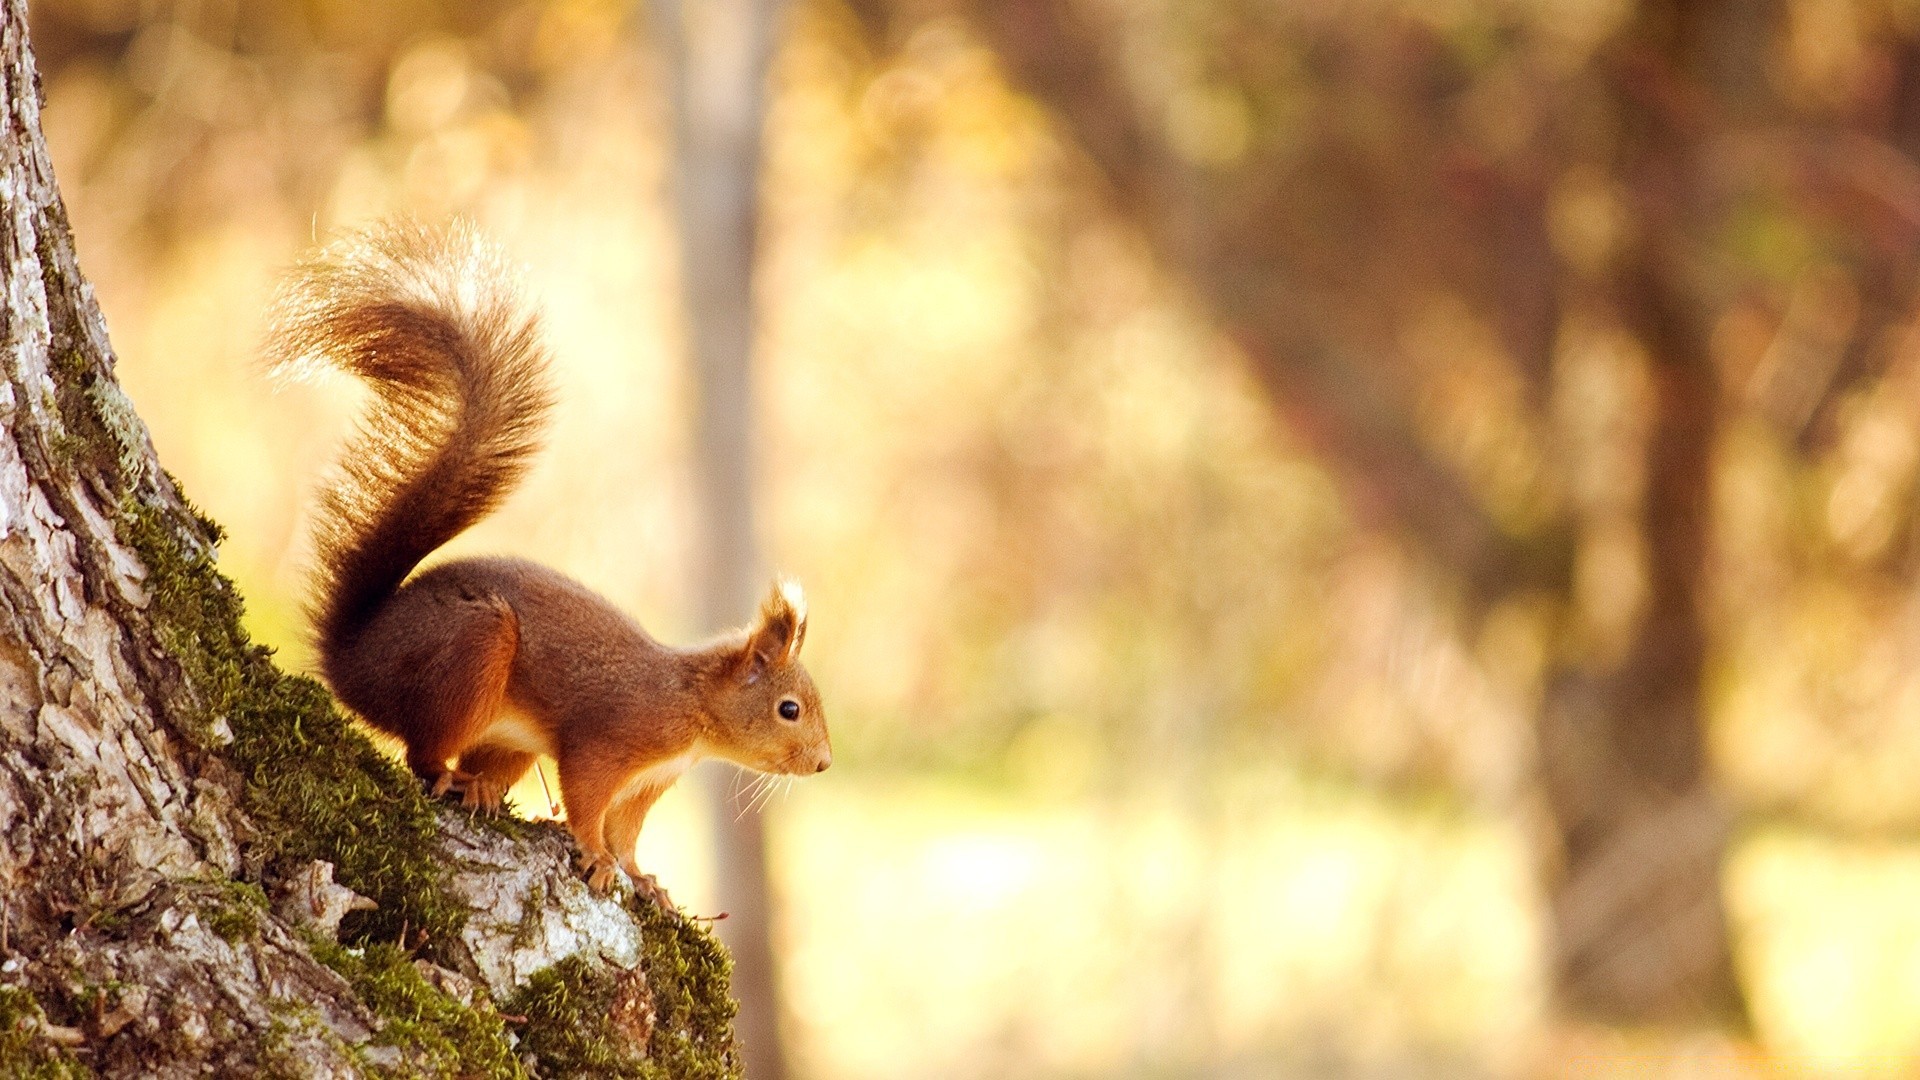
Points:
(766, 792)
(761, 782)
(749, 785)
(742, 795)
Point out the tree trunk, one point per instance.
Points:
(716, 54)
(1638, 918)
(1639, 930)
(174, 810)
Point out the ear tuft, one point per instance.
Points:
(776, 638)
(789, 591)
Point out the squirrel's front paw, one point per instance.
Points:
(649, 886)
(602, 871)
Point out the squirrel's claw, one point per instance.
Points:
(476, 792)
(451, 780)
(485, 795)
(602, 879)
(648, 886)
(602, 871)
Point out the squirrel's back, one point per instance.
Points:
(433, 321)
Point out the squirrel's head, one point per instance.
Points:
(765, 709)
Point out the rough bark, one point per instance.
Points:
(174, 811)
(716, 55)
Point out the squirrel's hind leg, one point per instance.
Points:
(459, 690)
(493, 771)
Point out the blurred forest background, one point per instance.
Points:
(1346, 537)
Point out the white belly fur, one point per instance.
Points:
(659, 776)
(515, 730)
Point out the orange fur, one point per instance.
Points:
(492, 661)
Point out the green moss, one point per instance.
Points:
(92, 999)
(233, 909)
(690, 974)
(316, 786)
(530, 917)
(23, 1053)
(568, 1027)
(70, 369)
(436, 1034)
(588, 1017)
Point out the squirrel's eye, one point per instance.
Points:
(789, 709)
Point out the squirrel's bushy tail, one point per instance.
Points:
(432, 319)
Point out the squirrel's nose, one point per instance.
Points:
(826, 759)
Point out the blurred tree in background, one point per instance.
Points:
(1336, 193)
(716, 56)
(1415, 221)
(1587, 325)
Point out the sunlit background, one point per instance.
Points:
(1159, 753)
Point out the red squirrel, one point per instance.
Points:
(481, 664)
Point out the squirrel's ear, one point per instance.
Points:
(776, 638)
